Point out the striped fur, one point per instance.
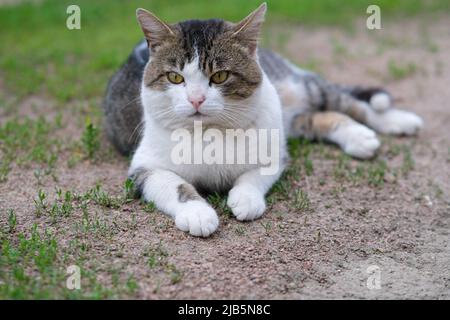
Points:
(300, 92)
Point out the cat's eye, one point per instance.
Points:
(175, 78)
(219, 77)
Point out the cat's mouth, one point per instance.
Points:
(197, 115)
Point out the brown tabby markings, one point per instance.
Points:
(325, 122)
(187, 192)
(216, 51)
(357, 112)
(318, 125)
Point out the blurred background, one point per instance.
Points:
(63, 199)
(39, 54)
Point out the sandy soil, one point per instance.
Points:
(402, 228)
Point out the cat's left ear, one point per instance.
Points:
(247, 31)
(154, 29)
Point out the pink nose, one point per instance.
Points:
(197, 101)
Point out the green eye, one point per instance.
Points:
(175, 78)
(219, 77)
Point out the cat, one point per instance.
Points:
(214, 71)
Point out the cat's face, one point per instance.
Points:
(201, 70)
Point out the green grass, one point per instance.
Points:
(31, 267)
(33, 262)
(90, 139)
(301, 200)
(26, 141)
(157, 259)
(219, 202)
(12, 220)
(371, 172)
(399, 71)
(75, 64)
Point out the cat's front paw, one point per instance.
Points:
(397, 122)
(197, 218)
(246, 202)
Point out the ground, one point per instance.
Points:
(333, 222)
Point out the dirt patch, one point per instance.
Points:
(400, 228)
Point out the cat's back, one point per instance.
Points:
(278, 68)
(122, 105)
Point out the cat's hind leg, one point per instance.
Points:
(352, 137)
(370, 106)
(376, 111)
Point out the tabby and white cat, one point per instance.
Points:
(213, 71)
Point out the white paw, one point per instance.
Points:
(396, 122)
(356, 140)
(380, 102)
(197, 218)
(246, 202)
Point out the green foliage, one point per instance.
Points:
(301, 200)
(399, 71)
(219, 202)
(12, 220)
(90, 139)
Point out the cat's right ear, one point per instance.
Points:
(155, 30)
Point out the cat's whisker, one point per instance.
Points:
(129, 102)
(139, 128)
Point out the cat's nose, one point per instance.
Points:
(197, 101)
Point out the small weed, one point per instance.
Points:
(63, 205)
(131, 285)
(129, 190)
(342, 169)
(150, 207)
(309, 168)
(102, 198)
(267, 226)
(401, 71)
(408, 161)
(240, 230)
(5, 167)
(40, 203)
(156, 256)
(12, 220)
(376, 173)
(90, 139)
(301, 200)
(301, 149)
(175, 275)
(219, 202)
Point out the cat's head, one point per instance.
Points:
(201, 70)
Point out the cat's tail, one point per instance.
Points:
(378, 98)
(330, 96)
(320, 94)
